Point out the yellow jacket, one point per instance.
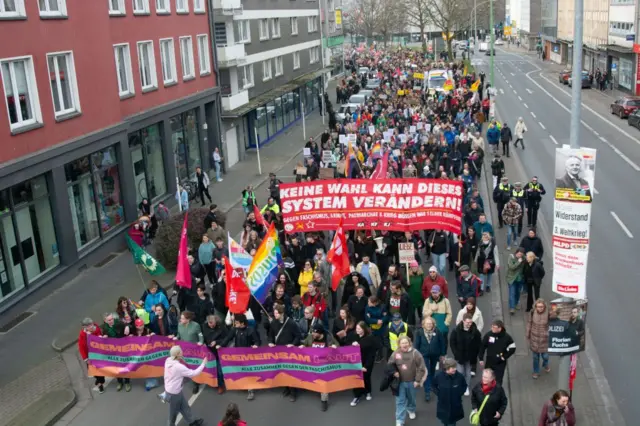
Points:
(274, 208)
(304, 279)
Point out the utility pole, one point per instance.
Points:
(475, 26)
(493, 40)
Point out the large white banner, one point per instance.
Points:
(575, 169)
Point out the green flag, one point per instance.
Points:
(141, 257)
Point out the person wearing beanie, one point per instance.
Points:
(175, 371)
(89, 328)
(438, 307)
(434, 278)
(319, 338)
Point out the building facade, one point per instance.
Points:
(621, 60)
(549, 30)
(596, 34)
(271, 68)
(106, 103)
(565, 30)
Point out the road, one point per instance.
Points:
(525, 91)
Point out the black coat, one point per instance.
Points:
(369, 346)
(532, 244)
(497, 402)
(217, 334)
(449, 388)
(389, 381)
(533, 273)
(505, 134)
(357, 307)
(498, 347)
(290, 334)
(201, 308)
(242, 337)
(465, 345)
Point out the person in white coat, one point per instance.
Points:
(521, 128)
(471, 309)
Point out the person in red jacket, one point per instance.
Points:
(315, 299)
(232, 416)
(89, 327)
(434, 279)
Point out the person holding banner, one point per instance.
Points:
(369, 347)
(174, 372)
(89, 328)
(283, 331)
(320, 338)
(241, 336)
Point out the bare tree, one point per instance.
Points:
(450, 16)
(390, 21)
(418, 16)
(363, 17)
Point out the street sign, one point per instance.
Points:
(406, 253)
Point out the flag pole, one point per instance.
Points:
(144, 286)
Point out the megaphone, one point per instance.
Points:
(378, 241)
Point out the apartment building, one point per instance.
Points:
(107, 103)
(549, 30)
(596, 34)
(272, 67)
(524, 18)
(565, 30)
(621, 59)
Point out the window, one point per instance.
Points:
(296, 60)
(312, 23)
(12, 9)
(124, 71)
(49, 8)
(186, 57)
(93, 186)
(246, 75)
(163, 7)
(140, 7)
(203, 54)
(27, 235)
(275, 28)
(185, 144)
(332, 27)
(314, 55)
(220, 33)
(147, 161)
(279, 66)
(294, 25)
(21, 92)
(182, 6)
(621, 28)
(64, 86)
(198, 6)
(147, 64)
(116, 7)
(243, 32)
(266, 70)
(168, 59)
(264, 29)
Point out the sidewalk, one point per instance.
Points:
(33, 372)
(594, 405)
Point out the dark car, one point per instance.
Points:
(624, 106)
(584, 77)
(490, 52)
(564, 76)
(634, 119)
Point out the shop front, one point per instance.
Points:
(336, 54)
(621, 68)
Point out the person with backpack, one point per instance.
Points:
(533, 273)
(248, 199)
(468, 285)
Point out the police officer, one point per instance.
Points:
(520, 195)
(501, 196)
(534, 192)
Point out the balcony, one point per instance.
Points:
(230, 55)
(235, 100)
(228, 7)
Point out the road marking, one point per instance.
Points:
(513, 74)
(506, 81)
(501, 92)
(553, 139)
(191, 401)
(519, 98)
(534, 116)
(510, 86)
(542, 125)
(530, 91)
(595, 133)
(514, 92)
(622, 225)
(595, 191)
(525, 105)
(603, 139)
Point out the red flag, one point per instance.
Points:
(259, 218)
(183, 270)
(237, 292)
(338, 257)
(381, 168)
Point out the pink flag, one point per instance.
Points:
(381, 168)
(183, 271)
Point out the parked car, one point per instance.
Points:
(373, 84)
(358, 99)
(342, 112)
(634, 119)
(624, 106)
(363, 71)
(564, 76)
(584, 77)
(490, 52)
(483, 46)
(498, 42)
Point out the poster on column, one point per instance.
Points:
(567, 326)
(574, 174)
(393, 205)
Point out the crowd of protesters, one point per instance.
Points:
(403, 317)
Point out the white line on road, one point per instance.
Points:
(603, 139)
(514, 92)
(534, 116)
(501, 92)
(525, 105)
(530, 91)
(191, 401)
(553, 139)
(622, 225)
(506, 81)
(595, 133)
(542, 125)
(519, 98)
(513, 74)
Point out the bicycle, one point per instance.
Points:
(191, 188)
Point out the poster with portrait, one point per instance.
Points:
(567, 326)
(575, 173)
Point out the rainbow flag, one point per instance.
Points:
(263, 271)
(238, 257)
(376, 150)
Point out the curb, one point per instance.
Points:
(50, 414)
(60, 347)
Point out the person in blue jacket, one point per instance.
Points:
(429, 341)
(493, 136)
(449, 386)
(377, 318)
(155, 297)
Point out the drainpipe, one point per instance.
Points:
(216, 72)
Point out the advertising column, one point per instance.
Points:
(575, 170)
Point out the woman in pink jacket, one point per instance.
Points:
(174, 371)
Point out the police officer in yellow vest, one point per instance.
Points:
(501, 196)
(397, 329)
(520, 195)
(534, 191)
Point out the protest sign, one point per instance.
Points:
(396, 152)
(406, 253)
(352, 137)
(327, 157)
(418, 76)
(315, 369)
(326, 173)
(343, 139)
(302, 171)
(372, 130)
(575, 170)
(144, 357)
(395, 205)
(412, 129)
(567, 324)
(306, 152)
(419, 126)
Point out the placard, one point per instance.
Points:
(427, 127)
(387, 137)
(400, 92)
(567, 325)
(306, 152)
(413, 129)
(326, 173)
(372, 130)
(406, 253)
(343, 139)
(418, 76)
(340, 166)
(396, 152)
(352, 137)
(327, 157)
(403, 137)
(420, 126)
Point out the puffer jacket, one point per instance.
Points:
(538, 331)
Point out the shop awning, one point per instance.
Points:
(616, 48)
(272, 94)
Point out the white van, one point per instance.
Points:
(436, 79)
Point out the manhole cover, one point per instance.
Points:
(105, 260)
(15, 322)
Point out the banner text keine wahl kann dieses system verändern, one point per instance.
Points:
(393, 205)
